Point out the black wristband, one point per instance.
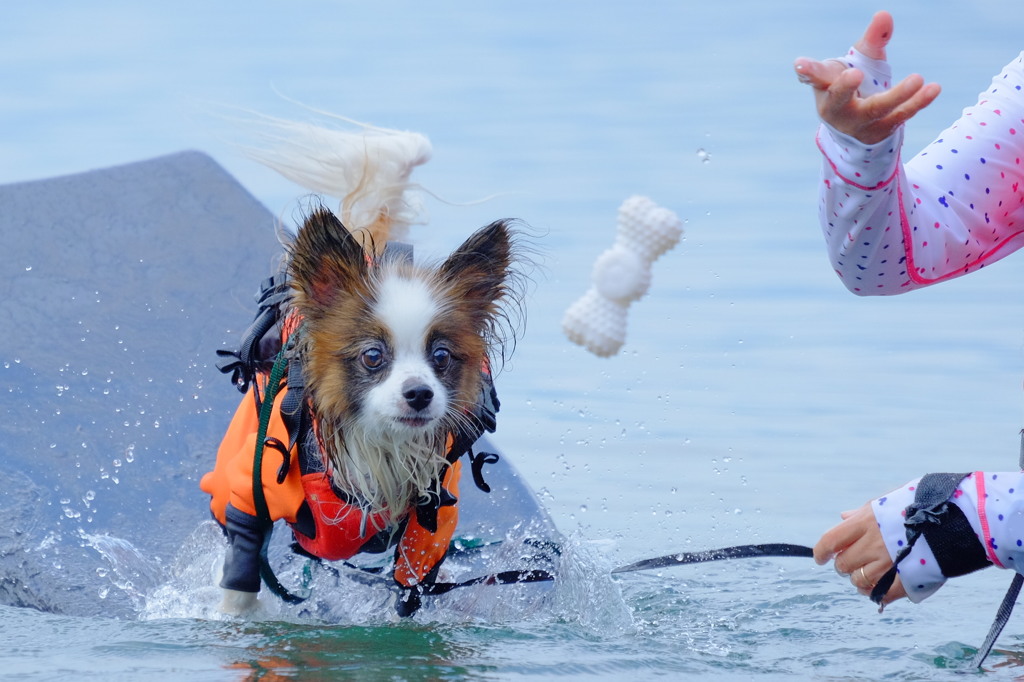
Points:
(933, 515)
(955, 545)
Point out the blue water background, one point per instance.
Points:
(755, 398)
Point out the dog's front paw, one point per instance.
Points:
(408, 602)
(237, 603)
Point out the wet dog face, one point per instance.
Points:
(392, 352)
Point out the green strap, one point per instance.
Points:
(266, 410)
(274, 584)
(259, 499)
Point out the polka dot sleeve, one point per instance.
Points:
(955, 207)
(919, 571)
(992, 502)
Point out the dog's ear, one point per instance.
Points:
(477, 271)
(326, 260)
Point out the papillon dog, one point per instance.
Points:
(394, 355)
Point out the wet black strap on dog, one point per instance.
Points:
(252, 354)
(736, 552)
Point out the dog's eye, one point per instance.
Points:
(442, 358)
(372, 358)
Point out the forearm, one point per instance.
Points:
(859, 212)
(954, 208)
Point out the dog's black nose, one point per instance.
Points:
(418, 397)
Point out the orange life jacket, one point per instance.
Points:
(296, 484)
(338, 529)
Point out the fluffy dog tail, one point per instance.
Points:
(367, 170)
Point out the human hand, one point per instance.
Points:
(859, 552)
(869, 119)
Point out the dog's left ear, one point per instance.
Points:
(327, 261)
(477, 271)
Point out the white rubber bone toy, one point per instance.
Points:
(621, 275)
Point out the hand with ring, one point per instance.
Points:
(858, 550)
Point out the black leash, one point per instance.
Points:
(782, 549)
(737, 552)
(502, 578)
(539, 576)
(747, 551)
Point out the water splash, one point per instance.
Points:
(351, 594)
(127, 569)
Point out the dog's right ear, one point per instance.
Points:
(326, 260)
(478, 270)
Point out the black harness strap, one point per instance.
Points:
(482, 418)
(294, 412)
(251, 356)
(477, 462)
